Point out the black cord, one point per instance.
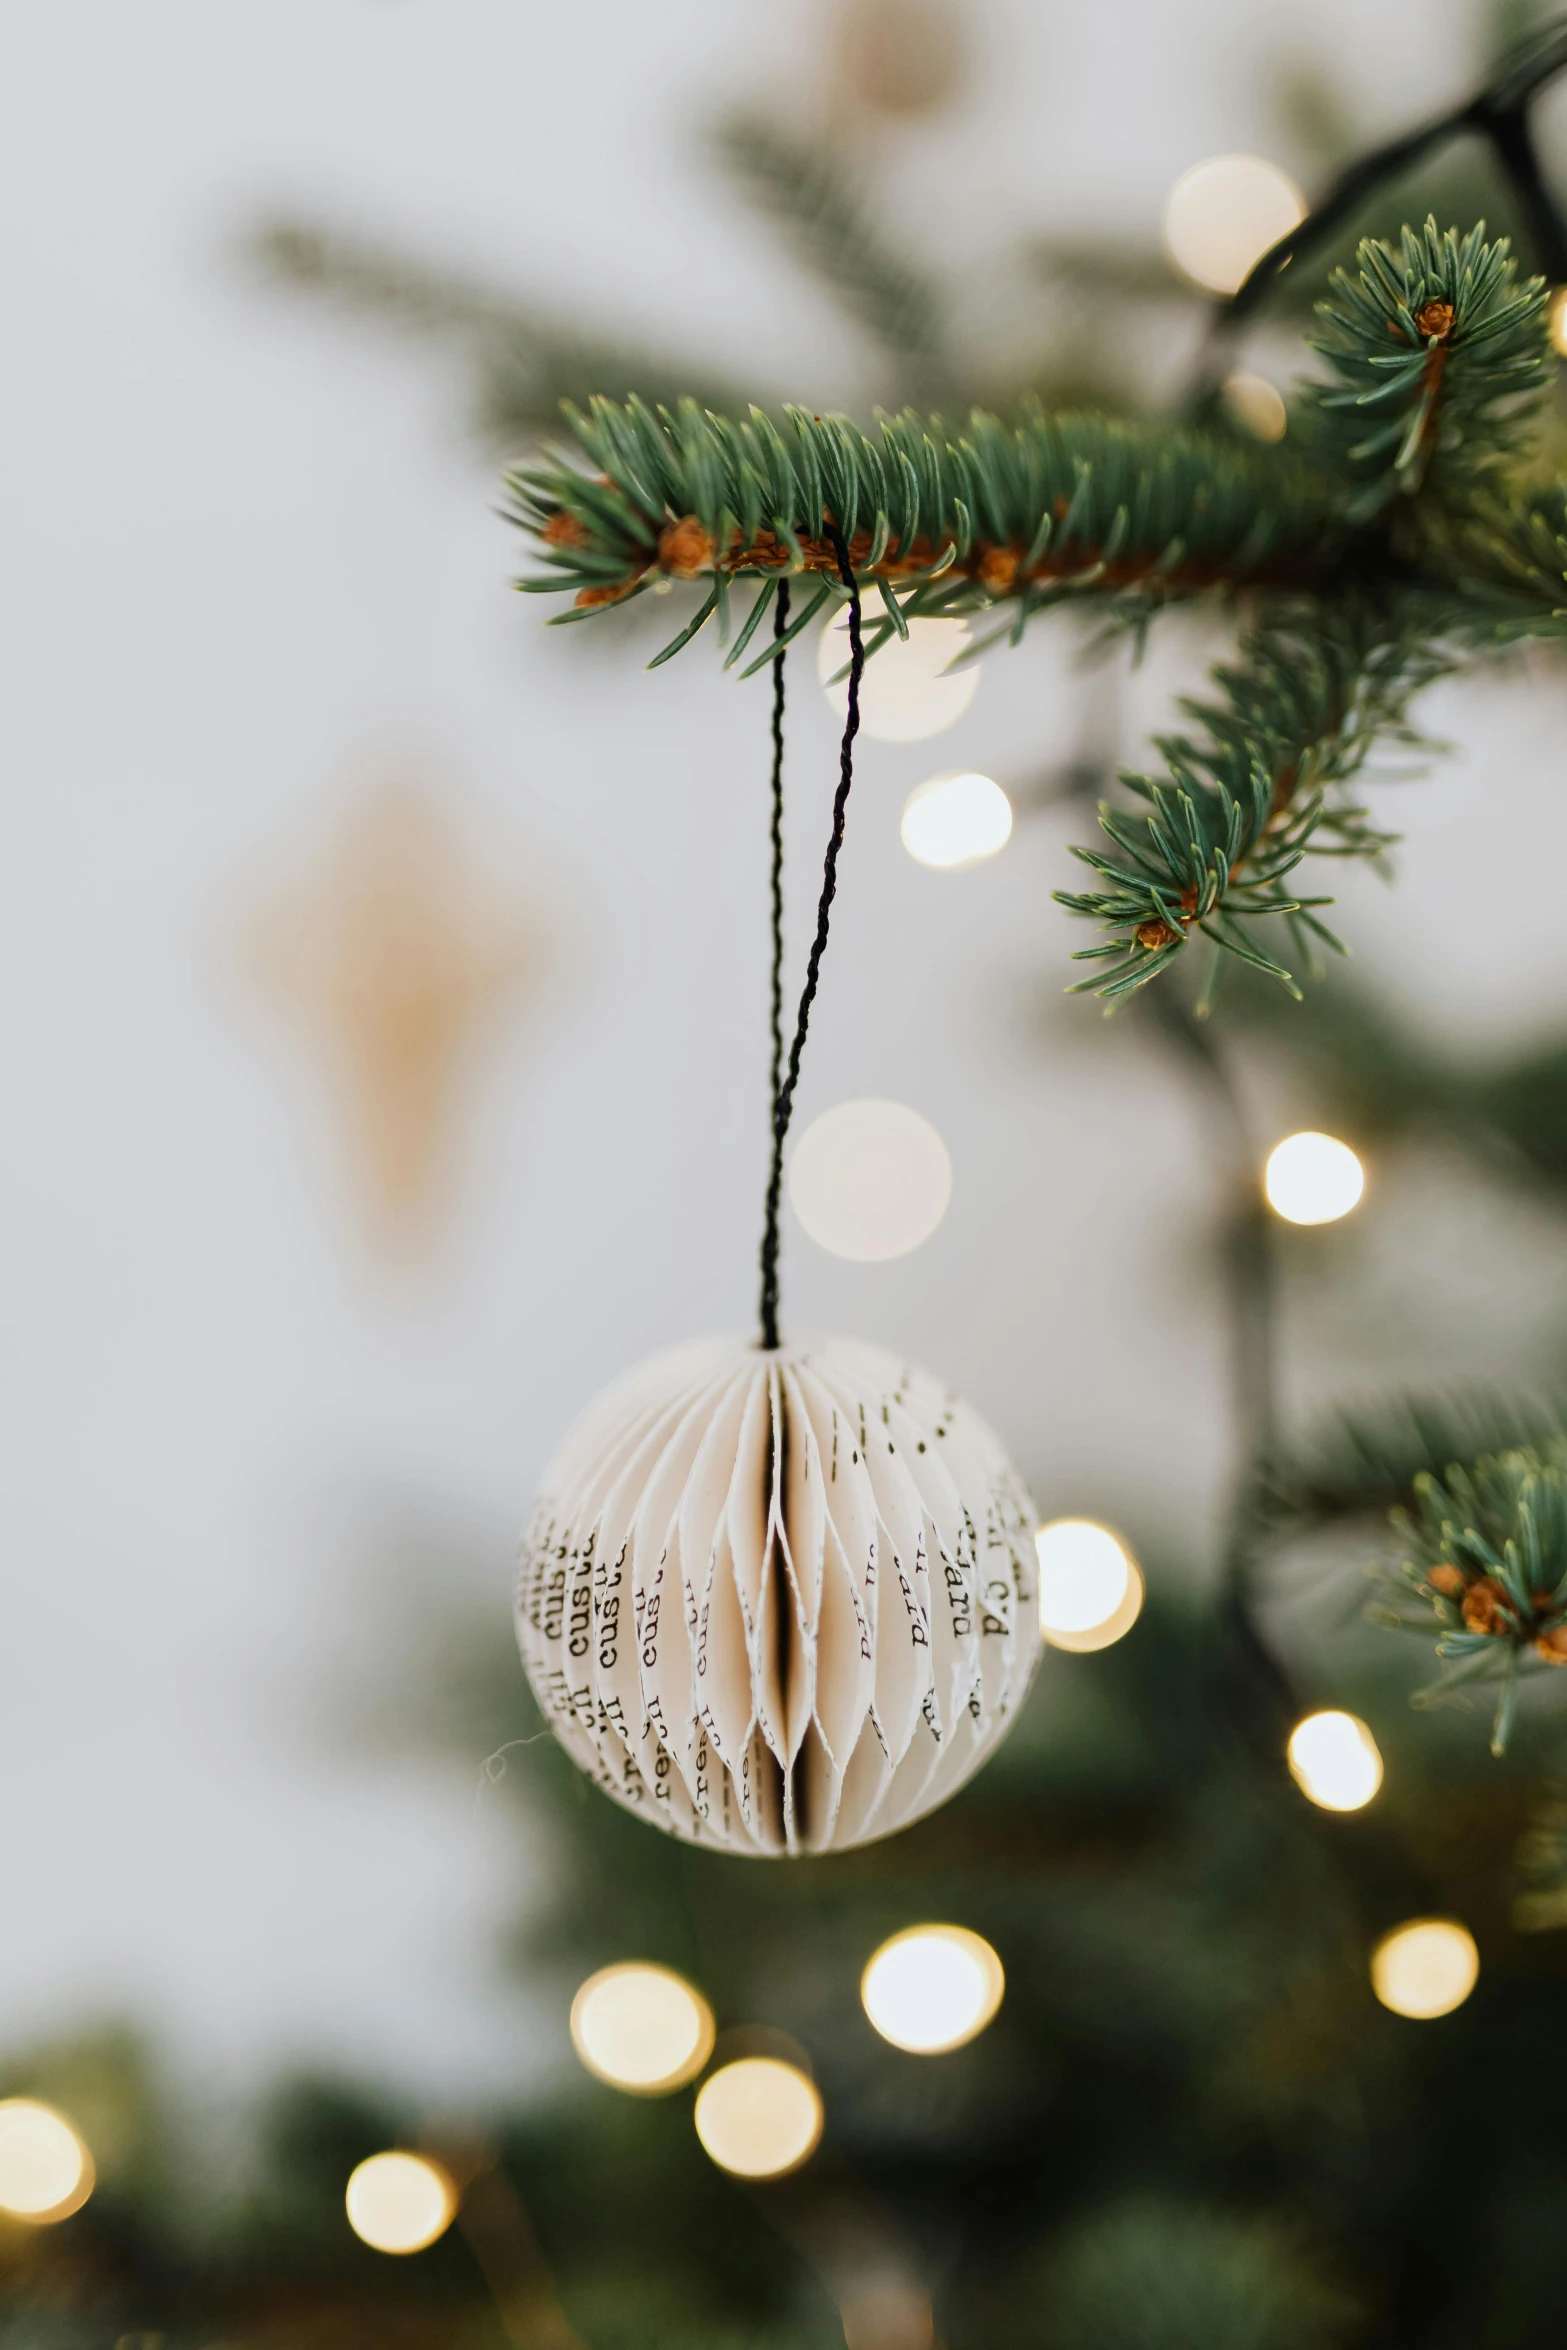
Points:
(769, 1309)
(783, 1094)
(1251, 1683)
(1498, 113)
(1512, 139)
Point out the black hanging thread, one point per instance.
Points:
(785, 1080)
(1500, 113)
(780, 629)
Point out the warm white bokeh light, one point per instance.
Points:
(1557, 316)
(1313, 1179)
(759, 2117)
(956, 820)
(1114, 1627)
(400, 2202)
(904, 697)
(870, 1180)
(1257, 405)
(1221, 217)
(1425, 1968)
(641, 2028)
(932, 1988)
(1334, 1760)
(46, 2172)
(1090, 1586)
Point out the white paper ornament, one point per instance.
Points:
(780, 1602)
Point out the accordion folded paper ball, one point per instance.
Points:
(780, 1601)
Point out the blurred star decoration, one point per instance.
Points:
(391, 955)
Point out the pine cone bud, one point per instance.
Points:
(998, 569)
(1552, 1645)
(1448, 1580)
(685, 549)
(563, 530)
(1435, 319)
(1485, 1607)
(1155, 934)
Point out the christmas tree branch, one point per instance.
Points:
(1024, 515)
(1439, 357)
(1392, 543)
(805, 186)
(1484, 1550)
(1508, 559)
(1250, 1680)
(1499, 112)
(1243, 801)
(1475, 1489)
(1365, 1461)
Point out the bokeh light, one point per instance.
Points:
(904, 696)
(641, 2028)
(1334, 1760)
(1221, 217)
(1090, 1586)
(890, 2315)
(400, 2203)
(932, 1988)
(956, 820)
(870, 1180)
(1256, 405)
(1425, 1968)
(1557, 316)
(1313, 1179)
(759, 2117)
(46, 2172)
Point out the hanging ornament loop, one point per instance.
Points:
(784, 1092)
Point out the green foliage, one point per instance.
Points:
(1485, 1550)
(1243, 801)
(1386, 553)
(1375, 1076)
(1447, 404)
(1525, 1101)
(1189, 2086)
(1367, 1073)
(1366, 1461)
(1511, 562)
(1541, 1903)
(1033, 514)
(1169, 2275)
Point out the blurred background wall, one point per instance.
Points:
(294, 1263)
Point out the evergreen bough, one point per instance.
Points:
(1408, 524)
(1394, 535)
(1485, 1548)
